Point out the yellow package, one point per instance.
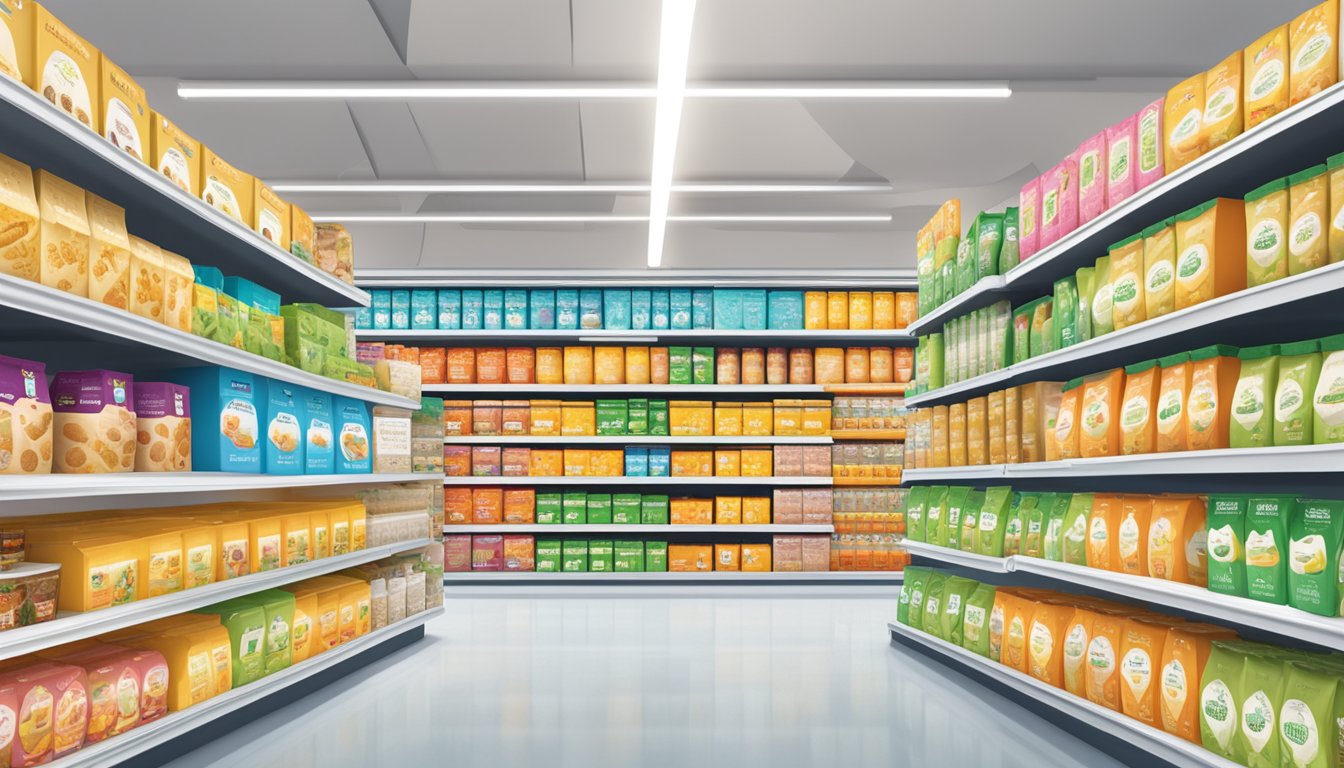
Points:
(578, 365)
(1099, 414)
(977, 432)
(636, 365)
(1308, 209)
(606, 463)
(609, 365)
(1173, 390)
(956, 435)
(191, 662)
(550, 362)
(1012, 426)
(1138, 412)
(728, 419)
(226, 188)
(125, 120)
(304, 629)
(163, 568)
(690, 418)
(20, 251)
(578, 418)
(756, 511)
(1211, 251)
(727, 463)
(996, 448)
(1159, 269)
(175, 154)
(1265, 72)
(692, 463)
(546, 418)
(938, 450)
(757, 462)
(67, 69)
(828, 366)
(1335, 237)
(815, 311)
(296, 533)
(1184, 123)
(1312, 38)
(64, 234)
(728, 510)
(16, 54)
(788, 418)
(860, 310)
(1062, 442)
(816, 417)
(1222, 102)
(577, 462)
(1127, 282)
(266, 543)
(884, 310)
(758, 419)
(837, 310)
(178, 279)
(147, 279)
(546, 463)
(109, 253)
(104, 570)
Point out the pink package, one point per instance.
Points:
(1092, 167)
(817, 505)
(456, 554)
(1059, 202)
(788, 506)
(787, 552)
(1029, 217)
(817, 461)
(1121, 140)
(816, 553)
(1148, 156)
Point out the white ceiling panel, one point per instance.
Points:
(392, 139)
(755, 140)
(617, 139)
(616, 39)
(387, 245)
(502, 140)
(470, 39)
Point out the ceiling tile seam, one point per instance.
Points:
(363, 142)
(424, 236)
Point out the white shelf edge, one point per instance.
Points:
(894, 577)
(67, 628)
(649, 336)
(37, 299)
(56, 486)
(895, 279)
(936, 318)
(562, 528)
(982, 472)
(641, 481)
(120, 748)
(1160, 744)
(728, 390)
(638, 440)
(957, 557)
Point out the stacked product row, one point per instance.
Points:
(638, 309)
(868, 414)
(51, 59)
(527, 506)
(659, 365)
(1213, 397)
(1255, 704)
(801, 553)
(637, 417)
(652, 461)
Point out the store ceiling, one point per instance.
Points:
(1074, 68)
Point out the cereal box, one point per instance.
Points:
(94, 418)
(270, 215)
(228, 440)
(226, 188)
(282, 404)
(175, 154)
(162, 427)
(67, 69)
(126, 116)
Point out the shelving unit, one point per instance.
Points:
(876, 435)
(861, 482)
(650, 482)
(636, 529)
(671, 390)
(707, 440)
(708, 577)
(28, 487)
(661, 336)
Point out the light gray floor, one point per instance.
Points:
(779, 676)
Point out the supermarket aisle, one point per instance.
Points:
(713, 681)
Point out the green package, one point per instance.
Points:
(932, 620)
(625, 510)
(975, 619)
(956, 590)
(1219, 704)
(1012, 529)
(637, 417)
(548, 555)
(1260, 695)
(1052, 540)
(935, 528)
(1011, 253)
(702, 365)
(1074, 549)
(1266, 238)
(599, 509)
(574, 556)
(1313, 556)
(245, 621)
(550, 509)
(1305, 232)
(574, 506)
(993, 520)
(949, 528)
(601, 558)
(1041, 342)
(964, 537)
(612, 417)
(1267, 520)
(965, 266)
(1021, 325)
(913, 576)
(653, 509)
(916, 504)
(913, 586)
(1313, 705)
(1102, 322)
(679, 365)
(1299, 369)
(629, 556)
(279, 607)
(658, 420)
(1327, 402)
(1226, 543)
(1084, 282)
(947, 280)
(934, 347)
(1252, 423)
(1033, 513)
(988, 243)
(655, 556)
(1066, 313)
(204, 311)
(229, 331)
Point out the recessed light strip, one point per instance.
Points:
(509, 218)
(452, 187)
(674, 50)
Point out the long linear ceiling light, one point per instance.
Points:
(452, 187)
(597, 218)
(674, 51)
(373, 90)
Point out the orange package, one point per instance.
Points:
(938, 435)
(977, 431)
(520, 365)
(516, 418)
(728, 510)
(727, 366)
(1172, 391)
(996, 425)
(1131, 545)
(856, 365)
(461, 365)
(1263, 65)
(1099, 414)
(1210, 251)
(727, 463)
(456, 461)
(903, 364)
(727, 419)
(860, 310)
(880, 365)
(815, 311)
(1184, 653)
(1312, 40)
(546, 462)
(756, 462)
(609, 365)
(884, 310)
(683, 558)
(956, 435)
(907, 308)
(637, 365)
(659, 365)
(520, 506)
(457, 418)
(1103, 527)
(692, 463)
(1138, 413)
(1077, 634)
(578, 365)
(606, 463)
(457, 506)
(1176, 531)
(1045, 643)
(1016, 615)
(837, 310)
(491, 365)
(433, 365)
(550, 365)
(1104, 658)
(1063, 442)
(1140, 674)
(576, 462)
(692, 511)
(801, 367)
(487, 505)
(727, 557)
(753, 365)
(776, 365)
(1182, 120)
(756, 511)
(1213, 378)
(515, 462)
(829, 365)
(756, 558)
(546, 418)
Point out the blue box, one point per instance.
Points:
(225, 404)
(680, 309)
(319, 449)
(492, 305)
(786, 311)
(381, 301)
(590, 309)
(660, 310)
(728, 309)
(636, 462)
(354, 451)
(541, 310)
(754, 309)
(616, 309)
(641, 310)
(282, 413)
(702, 308)
(363, 317)
(401, 310)
(473, 310)
(660, 461)
(567, 310)
(250, 294)
(515, 309)
(424, 310)
(450, 309)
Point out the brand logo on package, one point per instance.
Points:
(29, 382)
(240, 386)
(177, 403)
(119, 391)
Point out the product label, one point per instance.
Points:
(1159, 276)
(1049, 207)
(1257, 721)
(1310, 52)
(1125, 293)
(1174, 688)
(1087, 170)
(1267, 78)
(1128, 538)
(1287, 400)
(1119, 159)
(1150, 155)
(1101, 304)
(1248, 401)
(1202, 407)
(1192, 264)
(1303, 233)
(1218, 711)
(1329, 397)
(268, 548)
(1168, 411)
(1223, 544)
(238, 423)
(1186, 128)
(1134, 413)
(235, 558)
(165, 572)
(119, 128)
(1220, 104)
(1042, 644)
(1063, 425)
(112, 584)
(283, 432)
(1100, 661)
(973, 622)
(1136, 669)
(1096, 416)
(218, 195)
(200, 565)
(1266, 243)
(249, 644)
(1298, 729)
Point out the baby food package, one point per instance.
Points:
(1210, 247)
(147, 279)
(1045, 642)
(1176, 540)
(1252, 422)
(163, 427)
(1121, 149)
(64, 234)
(1267, 520)
(1183, 118)
(1028, 212)
(1138, 410)
(1313, 556)
(1103, 309)
(109, 253)
(25, 418)
(177, 283)
(1127, 282)
(1219, 706)
(1267, 233)
(1152, 144)
(319, 453)
(1308, 213)
(66, 71)
(956, 590)
(226, 188)
(975, 619)
(1062, 443)
(1159, 269)
(993, 521)
(1184, 655)
(1059, 202)
(351, 420)
(175, 154)
(1312, 37)
(1214, 372)
(1092, 177)
(1222, 102)
(1099, 415)
(1141, 649)
(1328, 395)
(282, 453)
(1172, 392)
(1077, 634)
(1299, 372)
(1131, 545)
(94, 419)
(1265, 72)
(1226, 548)
(1103, 528)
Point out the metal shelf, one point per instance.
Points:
(715, 390)
(67, 628)
(638, 440)
(652, 482)
(985, 292)
(46, 319)
(35, 132)
(662, 336)
(867, 279)
(28, 487)
(117, 750)
(957, 557)
(636, 577)
(632, 529)
(1160, 744)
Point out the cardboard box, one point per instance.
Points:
(456, 554)
(487, 553)
(654, 509)
(788, 505)
(625, 510)
(550, 509)
(818, 504)
(600, 556)
(548, 555)
(270, 215)
(692, 512)
(125, 117)
(226, 188)
(175, 154)
(628, 556)
(66, 71)
(755, 510)
(575, 508)
(303, 235)
(727, 557)
(599, 509)
(687, 558)
(756, 558)
(574, 556)
(728, 510)
(655, 556)
(787, 552)
(519, 554)
(816, 553)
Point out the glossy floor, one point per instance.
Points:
(776, 676)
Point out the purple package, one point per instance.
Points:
(94, 420)
(1092, 169)
(1121, 142)
(1029, 218)
(163, 427)
(369, 352)
(25, 412)
(1149, 155)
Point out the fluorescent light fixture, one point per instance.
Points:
(674, 49)
(453, 187)
(808, 91)
(542, 218)
(860, 218)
